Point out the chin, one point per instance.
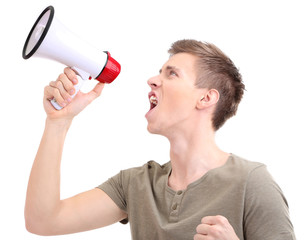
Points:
(153, 129)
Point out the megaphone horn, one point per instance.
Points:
(49, 38)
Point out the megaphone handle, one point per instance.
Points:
(84, 76)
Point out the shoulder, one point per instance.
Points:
(263, 199)
(239, 170)
(243, 164)
(256, 173)
(261, 190)
(133, 180)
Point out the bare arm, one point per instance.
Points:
(45, 212)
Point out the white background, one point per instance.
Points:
(266, 40)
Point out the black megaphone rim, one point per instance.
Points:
(26, 56)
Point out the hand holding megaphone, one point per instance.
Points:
(49, 38)
(63, 89)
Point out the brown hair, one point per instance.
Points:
(215, 70)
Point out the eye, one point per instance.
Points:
(173, 73)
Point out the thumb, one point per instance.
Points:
(95, 92)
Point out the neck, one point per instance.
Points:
(193, 155)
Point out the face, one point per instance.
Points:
(173, 96)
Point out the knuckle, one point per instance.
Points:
(69, 86)
(66, 96)
(51, 84)
(221, 219)
(97, 94)
(66, 79)
(211, 230)
(215, 231)
(70, 73)
(55, 91)
(47, 92)
(196, 237)
(62, 76)
(58, 84)
(198, 228)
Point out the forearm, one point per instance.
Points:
(43, 194)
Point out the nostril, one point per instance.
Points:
(154, 82)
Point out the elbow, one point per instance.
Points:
(37, 226)
(41, 222)
(34, 227)
(30, 226)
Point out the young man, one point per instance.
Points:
(202, 193)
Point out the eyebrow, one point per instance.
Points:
(171, 68)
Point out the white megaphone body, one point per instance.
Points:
(49, 38)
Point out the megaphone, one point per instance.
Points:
(49, 38)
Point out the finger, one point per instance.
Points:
(61, 90)
(72, 76)
(214, 220)
(67, 82)
(98, 89)
(96, 92)
(54, 93)
(202, 237)
(202, 229)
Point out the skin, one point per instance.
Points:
(183, 115)
(45, 212)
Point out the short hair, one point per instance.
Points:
(214, 70)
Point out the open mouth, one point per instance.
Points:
(153, 100)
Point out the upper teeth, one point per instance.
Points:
(153, 100)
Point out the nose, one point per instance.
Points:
(154, 82)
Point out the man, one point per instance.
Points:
(202, 193)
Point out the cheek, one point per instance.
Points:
(178, 104)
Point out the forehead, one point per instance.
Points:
(185, 62)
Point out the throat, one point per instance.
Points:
(185, 172)
(182, 183)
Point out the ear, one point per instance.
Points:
(208, 98)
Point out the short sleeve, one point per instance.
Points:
(113, 187)
(266, 214)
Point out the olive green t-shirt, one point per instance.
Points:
(242, 191)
